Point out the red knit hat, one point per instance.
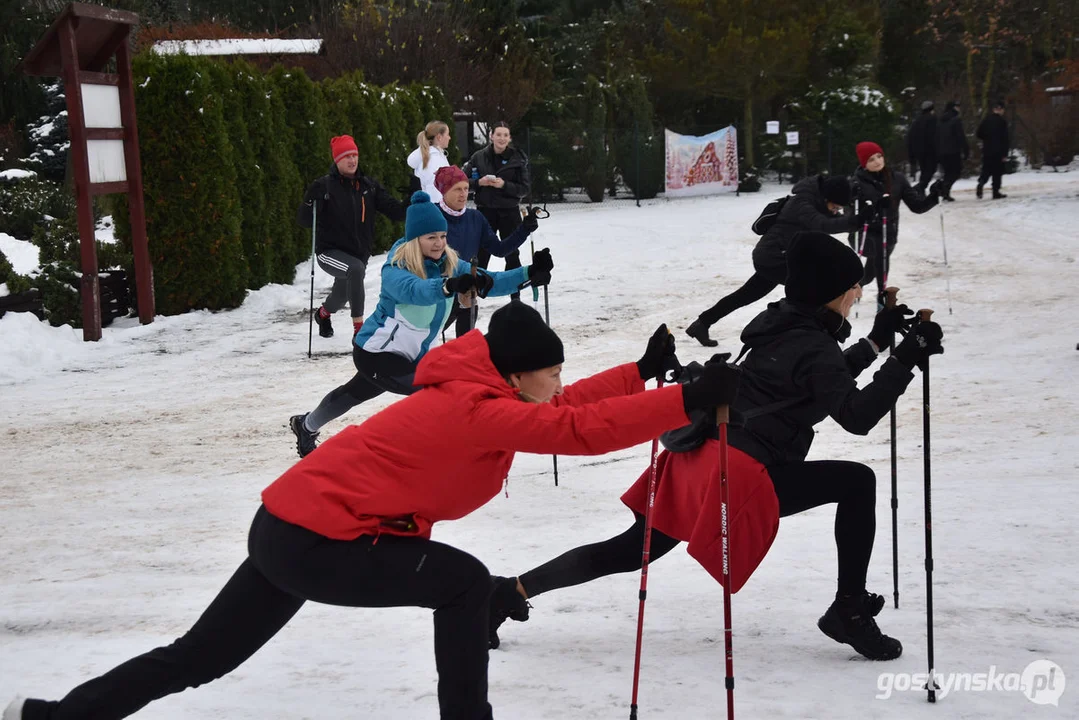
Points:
(343, 146)
(448, 176)
(867, 150)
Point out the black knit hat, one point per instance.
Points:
(820, 268)
(836, 190)
(519, 340)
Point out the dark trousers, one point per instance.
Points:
(368, 382)
(348, 272)
(288, 565)
(799, 487)
(927, 166)
(952, 166)
(876, 267)
(503, 221)
(992, 167)
(753, 290)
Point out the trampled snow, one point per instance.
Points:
(132, 468)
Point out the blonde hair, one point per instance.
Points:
(430, 132)
(410, 257)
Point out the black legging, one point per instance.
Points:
(368, 382)
(873, 266)
(799, 487)
(754, 289)
(288, 565)
(503, 221)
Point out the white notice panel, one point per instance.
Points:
(106, 158)
(792, 137)
(101, 106)
(772, 127)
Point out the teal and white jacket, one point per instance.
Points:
(411, 310)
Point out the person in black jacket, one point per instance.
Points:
(880, 189)
(952, 147)
(815, 203)
(794, 361)
(993, 132)
(500, 177)
(922, 145)
(347, 202)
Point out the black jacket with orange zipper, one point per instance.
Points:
(346, 212)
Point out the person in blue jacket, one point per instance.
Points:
(470, 234)
(420, 278)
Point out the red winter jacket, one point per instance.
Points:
(444, 451)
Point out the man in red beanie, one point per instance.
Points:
(469, 232)
(347, 202)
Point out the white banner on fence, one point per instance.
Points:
(702, 165)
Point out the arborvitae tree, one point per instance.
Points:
(638, 146)
(305, 116)
(335, 94)
(592, 157)
(193, 214)
(292, 243)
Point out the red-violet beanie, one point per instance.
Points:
(448, 176)
(343, 146)
(867, 150)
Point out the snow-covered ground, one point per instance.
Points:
(132, 468)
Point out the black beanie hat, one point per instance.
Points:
(820, 268)
(519, 340)
(836, 190)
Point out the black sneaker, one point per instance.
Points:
(306, 441)
(506, 602)
(978, 191)
(325, 326)
(948, 198)
(997, 195)
(850, 621)
(699, 332)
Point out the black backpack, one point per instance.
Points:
(767, 218)
(702, 423)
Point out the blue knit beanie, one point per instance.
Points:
(423, 217)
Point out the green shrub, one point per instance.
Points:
(25, 202)
(592, 153)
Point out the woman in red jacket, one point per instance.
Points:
(350, 524)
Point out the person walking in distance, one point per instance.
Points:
(350, 525)
(952, 147)
(816, 203)
(429, 156)
(500, 177)
(922, 146)
(993, 132)
(347, 202)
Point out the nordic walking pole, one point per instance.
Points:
(931, 686)
(889, 302)
(532, 248)
(644, 568)
(722, 417)
(947, 271)
(311, 304)
(473, 309)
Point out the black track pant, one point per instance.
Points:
(503, 221)
(287, 566)
(992, 167)
(953, 167)
(799, 487)
(927, 165)
(754, 289)
(874, 269)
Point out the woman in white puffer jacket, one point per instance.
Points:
(429, 156)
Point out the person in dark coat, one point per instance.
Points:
(794, 360)
(500, 177)
(350, 525)
(469, 233)
(922, 145)
(952, 147)
(993, 132)
(880, 189)
(347, 202)
(816, 203)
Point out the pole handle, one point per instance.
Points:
(889, 296)
(723, 414)
(925, 315)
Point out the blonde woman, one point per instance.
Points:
(429, 156)
(420, 278)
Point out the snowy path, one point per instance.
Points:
(131, 469)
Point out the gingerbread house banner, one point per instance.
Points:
(702, 165)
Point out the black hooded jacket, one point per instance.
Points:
(794, 357)
(951, 138)
(805, 210)
(346, 212)
(922, 138)
(511, 166)
(871, 186)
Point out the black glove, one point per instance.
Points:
(935, 188)
(531, 221)
(717, 385)
(657, 355)
(867, 212)
(922, 341)
(888, 322)
(481, 283)
(539, 272)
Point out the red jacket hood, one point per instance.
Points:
(467, 359)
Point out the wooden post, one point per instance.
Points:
(89, 288)
(144, 272)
